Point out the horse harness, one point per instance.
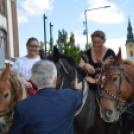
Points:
(15, 88)
(111, 96)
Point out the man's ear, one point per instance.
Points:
(55, 81)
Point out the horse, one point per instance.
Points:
(117, 86)
(12, 90)
(87, 120)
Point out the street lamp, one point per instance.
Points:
(51, 38)
(45, 40)
(85, 13)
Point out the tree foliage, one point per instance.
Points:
(68, 46)
(41, 47)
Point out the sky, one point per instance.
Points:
(69, 15)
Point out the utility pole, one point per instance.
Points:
(45, 40)
(51, 39)
(85, 13)
(86, 26)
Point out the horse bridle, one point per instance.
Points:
(14, 89)
(111, 96)
(65, 70)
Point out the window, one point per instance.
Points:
(131, 53)
(3, 6)
(3, 39)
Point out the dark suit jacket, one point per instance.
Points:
(50, 111)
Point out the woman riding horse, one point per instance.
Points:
(89, 59)
(89, 63)
(24, 64)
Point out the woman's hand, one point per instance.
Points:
(91, 80)
(89, 68)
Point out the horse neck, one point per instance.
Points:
(23, 93)
(130, 73)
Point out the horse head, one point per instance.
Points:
(11, 91)
(115, 88)
(65, 68)
(5, 97)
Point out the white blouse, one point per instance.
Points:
(24, 66)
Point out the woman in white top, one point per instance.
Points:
(24, 64)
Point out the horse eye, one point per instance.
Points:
(115, 79)
(6, 95)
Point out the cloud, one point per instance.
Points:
(37, 7)
(33, 8)
(79, 39)
(22, 18)
(114, 44)
(109, 15)
(124, 4)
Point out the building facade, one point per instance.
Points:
(130, 41)
(9, 28)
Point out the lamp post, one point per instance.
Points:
(45, 40)
(51, 39)
(85, 13)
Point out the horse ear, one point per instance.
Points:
(6, 73)
(100, 62)
(42, 55)
(118, 59)
(56, 54)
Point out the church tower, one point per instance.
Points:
(130, 41)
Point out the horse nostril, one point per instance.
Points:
(2, 128)
(109, 112)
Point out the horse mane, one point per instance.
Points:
(128, 62)
(66, 58)
(13, 71)
(108, 63)
(125, 61)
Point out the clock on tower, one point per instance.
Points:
(131, 45)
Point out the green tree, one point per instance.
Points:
(69, 47)
(89, 46)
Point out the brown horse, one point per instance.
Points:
(117, 86)
(12, 90)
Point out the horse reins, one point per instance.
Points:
(111, 96)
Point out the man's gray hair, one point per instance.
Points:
(43, 73)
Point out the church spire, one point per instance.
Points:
(130, 36)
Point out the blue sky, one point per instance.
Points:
(68, 15)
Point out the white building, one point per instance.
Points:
(9, 28)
